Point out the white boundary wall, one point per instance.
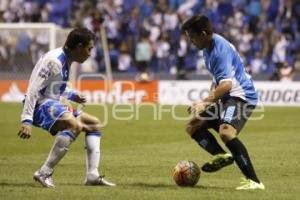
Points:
(165, 92)
(270, 93)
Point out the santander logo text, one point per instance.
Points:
(121, 92)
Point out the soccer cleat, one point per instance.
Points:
(248, 184)
(44, 179)
(99, 181)
(219, 161)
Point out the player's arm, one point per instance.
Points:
(74, 96)
(39, 77)
(222, 73)
(192, 108)
(212, 88)
(217, 93)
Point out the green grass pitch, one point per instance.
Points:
(139, 155)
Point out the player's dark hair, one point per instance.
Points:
(79, 35)
(197, 24)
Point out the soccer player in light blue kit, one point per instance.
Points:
(230, 103)
(42, 108)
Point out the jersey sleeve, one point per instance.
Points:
(70, 94)
(222, 67)
(37, 84)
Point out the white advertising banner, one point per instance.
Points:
(182, 92)
(163, 92)
(278, 93)
(270, 93)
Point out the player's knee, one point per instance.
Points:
(96, 125)
(225, 137)
(93, 125)
(79, 127)
(74, 126)
(227, 132)
(190, 129)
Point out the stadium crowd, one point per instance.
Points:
(145, 35)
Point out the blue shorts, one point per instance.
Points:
(46, 114)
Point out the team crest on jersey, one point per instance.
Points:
(66, 74)
(54, 67)
(44, 73)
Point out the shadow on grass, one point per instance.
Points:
(140, 185)
(170, 186)
(23, 185)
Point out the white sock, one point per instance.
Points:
(92, 145)
(59, 149)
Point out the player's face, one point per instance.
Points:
(198, 39)
(83, 53)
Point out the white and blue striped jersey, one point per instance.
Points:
(48, 80)
(224, 64)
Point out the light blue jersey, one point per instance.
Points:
(224, 63)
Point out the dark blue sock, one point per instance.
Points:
(207, 141)
(242, 158)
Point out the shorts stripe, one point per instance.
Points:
(229, 114)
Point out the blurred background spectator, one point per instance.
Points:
(143, 54)
(266, 32)
(286, 73)
(181, 53)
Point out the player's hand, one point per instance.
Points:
(79, 99)
(198, 108)
(25, 131)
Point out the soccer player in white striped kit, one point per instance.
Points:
(42, 108)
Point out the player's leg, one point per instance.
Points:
(70, 128)
(91, 127)
(59, 119)
(241, 157)
(235, 116)
(198, 127)
(198, 130)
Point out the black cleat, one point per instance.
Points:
(219, 161)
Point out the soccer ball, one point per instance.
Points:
(186, 173)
